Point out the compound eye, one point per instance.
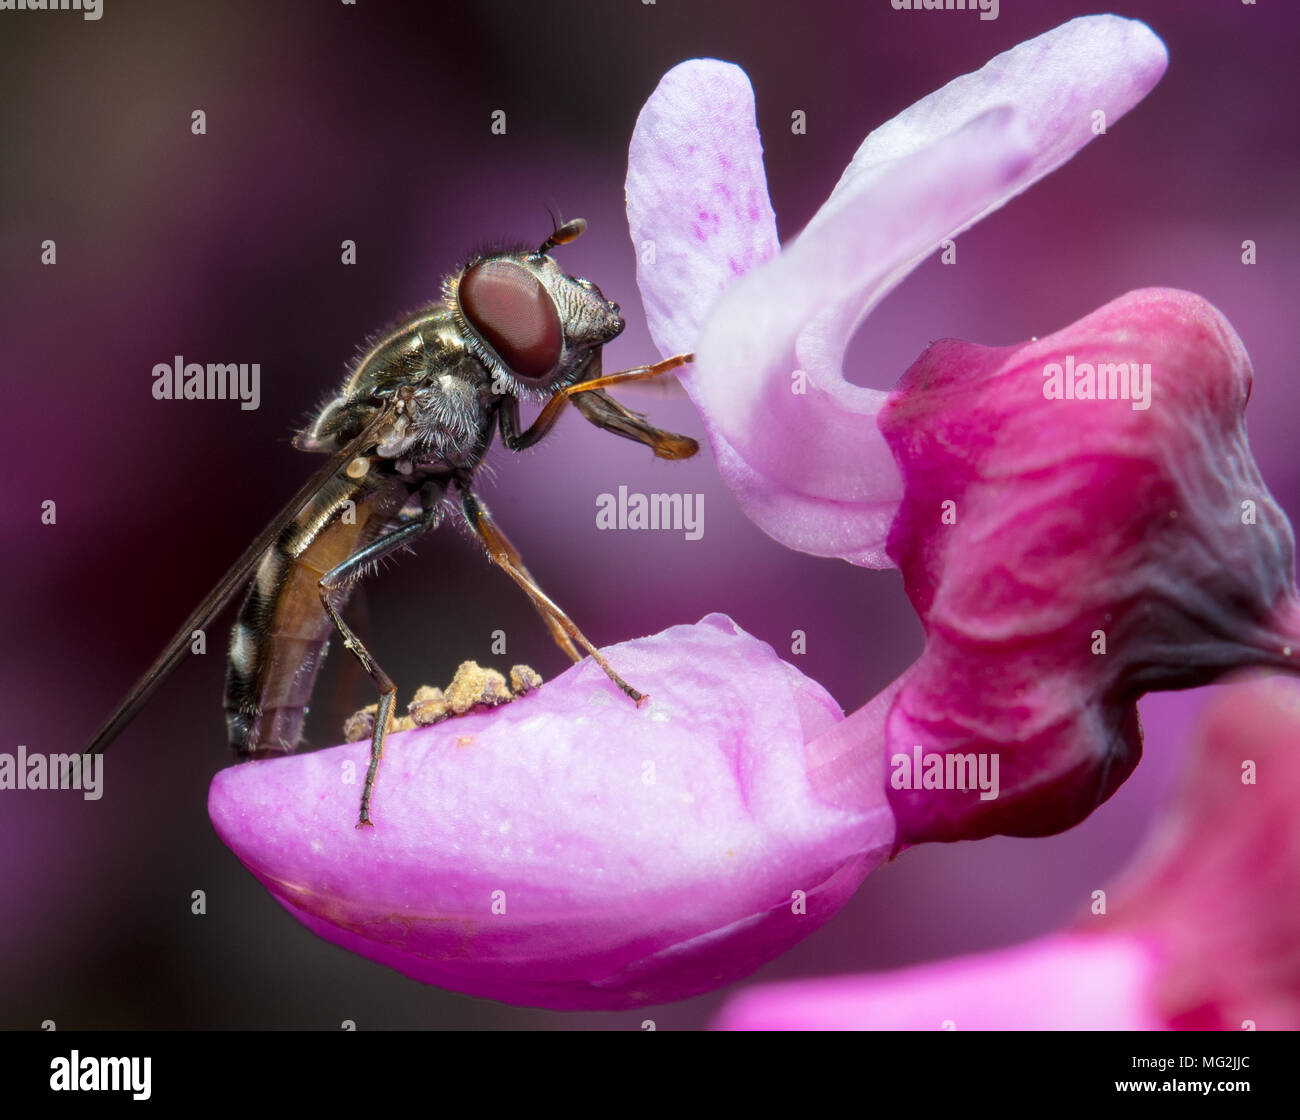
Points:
(508, 306)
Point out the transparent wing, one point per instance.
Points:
(229, 584)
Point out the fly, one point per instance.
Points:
(404, 435)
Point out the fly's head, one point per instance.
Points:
(512, 313)
(530, 324)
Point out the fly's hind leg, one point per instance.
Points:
(504, 554)
(338, 578)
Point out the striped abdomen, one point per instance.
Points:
(282, 631)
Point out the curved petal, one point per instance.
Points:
(1056, 82)
(570, 850)
(778, 401)
(793, 439)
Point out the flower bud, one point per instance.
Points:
(1082, 522)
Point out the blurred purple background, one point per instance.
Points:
(371, 122)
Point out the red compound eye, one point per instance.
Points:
(507, 305)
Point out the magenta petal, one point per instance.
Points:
(1074, 983)
(1067, 555)
(639, 855)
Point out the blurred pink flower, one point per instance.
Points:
(1202, 933)
(570, 850)
(797, 443)
(1066, 982)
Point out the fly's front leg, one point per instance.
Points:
(605, 412)
(551, 411)
(504, 554)
(335, 580)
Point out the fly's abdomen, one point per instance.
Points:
(282, 632)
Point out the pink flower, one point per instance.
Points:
(797, 443)
(1203, 932)
(1065, 555)
(570, 850)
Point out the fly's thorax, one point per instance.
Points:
(446, 420)
(444, 389)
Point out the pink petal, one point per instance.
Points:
(697, 203)
(1066, 520)
(1056, 82)
(1073, 983)
(810, 468)
(622, 885)
(813, 471)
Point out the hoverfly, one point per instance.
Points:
(404, 435)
